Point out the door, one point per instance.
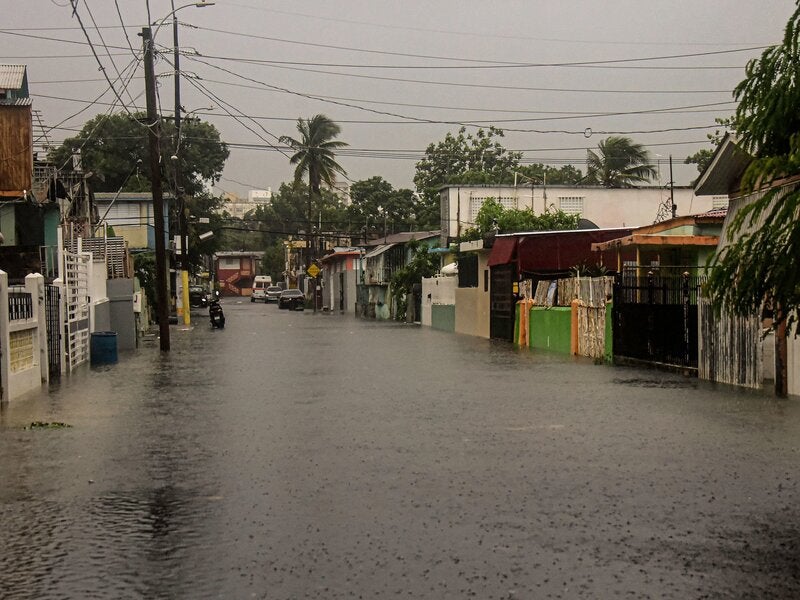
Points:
(502, 303)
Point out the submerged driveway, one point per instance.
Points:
(294, 455)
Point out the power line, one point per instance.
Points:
(480, 61)
(372, 110)
(474, 34)
(74, 5)
(466, 85)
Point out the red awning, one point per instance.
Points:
(503, 251)
(562, 250)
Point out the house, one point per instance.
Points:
(734, 349)
(661, 266)
(235, 271)
(683, 242)
(599, 207)
(130, 216)
(342, 271)
(381, 259)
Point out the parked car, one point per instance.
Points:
(198, 297)
(273, 293)
(292, 299)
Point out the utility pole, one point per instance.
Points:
(154, 132)
(179, 191)
(672, 190)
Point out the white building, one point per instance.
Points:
(239, 207)
(603, 207)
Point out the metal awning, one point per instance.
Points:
(379, 250)
(503, 251)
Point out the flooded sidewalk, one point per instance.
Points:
(299, 455)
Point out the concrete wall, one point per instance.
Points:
(633, 207)
(443, 317)
(121, 316)
(472, 312)
(550, 328)
(23, 360)
(438, 291)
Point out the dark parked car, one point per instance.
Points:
(273, 293)
(198, 296)
(292, 299)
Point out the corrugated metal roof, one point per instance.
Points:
(379, 250)
(16, 101)
(12, 76)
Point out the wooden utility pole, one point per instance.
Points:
(154, 132)
(180, 194)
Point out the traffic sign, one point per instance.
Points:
(313, 270)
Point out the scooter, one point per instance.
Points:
(216, 315)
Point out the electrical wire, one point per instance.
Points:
(124, 29)
(474, 34)
(482, 61)
(74, 5)
(372, 110)
(103, 43)
(466, 85)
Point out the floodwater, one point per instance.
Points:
(294, 455)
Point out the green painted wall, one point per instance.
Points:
(443, 316)
(52, 219)
(551, 328)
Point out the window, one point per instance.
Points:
(719, 202)
(475, 203)
(572, 205)
(229, 263)
(468, 271)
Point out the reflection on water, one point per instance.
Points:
(294, 455)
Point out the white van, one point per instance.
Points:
(260, 285)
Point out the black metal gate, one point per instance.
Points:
(655, 318)
(52, 308)
(502, 303)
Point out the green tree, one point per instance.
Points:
(618, 162)
(422, 264)
(761, 265)
(462, 158)
(314, 156)
(114, 148)
(541, 174)
(701, 158)
(375, 203)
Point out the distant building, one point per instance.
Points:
(239, 207)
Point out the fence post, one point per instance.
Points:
(5, 339)
(685, 290)
(34, 285)
(62, 311)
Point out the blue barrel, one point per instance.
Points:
(103, 348)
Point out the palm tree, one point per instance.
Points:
(313, 155)
(619, 163)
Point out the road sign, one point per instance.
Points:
(313, 270)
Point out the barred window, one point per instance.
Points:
(572, 205)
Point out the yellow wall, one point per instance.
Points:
(136, 236)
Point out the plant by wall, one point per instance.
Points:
(423, 264)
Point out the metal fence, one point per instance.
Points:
(20, 304)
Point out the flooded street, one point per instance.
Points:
(294, 455)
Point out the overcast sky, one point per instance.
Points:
(385, 70)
